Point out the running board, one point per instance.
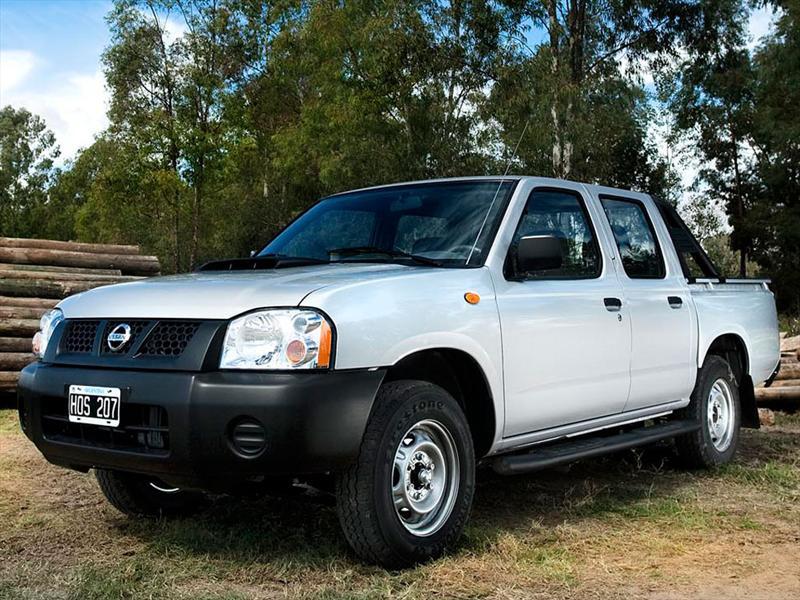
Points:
(565, 452)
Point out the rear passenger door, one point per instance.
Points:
(566, 340)
(656, 297)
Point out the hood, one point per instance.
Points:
(217, 295)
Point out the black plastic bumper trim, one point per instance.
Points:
(314, 421)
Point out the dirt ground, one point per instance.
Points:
(629, 526)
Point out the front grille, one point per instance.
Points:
(143, 428)
(169, 338)
(137, 327)
(79, 338)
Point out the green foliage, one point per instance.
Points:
(776, 125)
(741, 108)
(725, 258)
(219, 136)
(27, 151)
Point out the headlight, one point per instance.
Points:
(278, 339)
(47, 325)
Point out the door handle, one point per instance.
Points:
(674, 301)
(612, 304)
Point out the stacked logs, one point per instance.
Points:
(36, 274)
(786, 387)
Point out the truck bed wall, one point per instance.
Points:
(743, 309)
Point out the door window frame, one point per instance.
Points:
(584, 206)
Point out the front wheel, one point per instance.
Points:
(408, 495)
(715, 405)
(137, 495)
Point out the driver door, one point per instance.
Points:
(566, 336)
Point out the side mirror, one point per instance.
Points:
(539, 253)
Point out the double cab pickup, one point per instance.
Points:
(391, 339)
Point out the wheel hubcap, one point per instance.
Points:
(720, 415)
(425, 477)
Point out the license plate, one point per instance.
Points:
(94, 405)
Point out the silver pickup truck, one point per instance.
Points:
(391, 339)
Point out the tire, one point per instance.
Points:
(423, 423)
(138, 496)
(715, 405)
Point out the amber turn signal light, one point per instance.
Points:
(325, 345)
(472, 298)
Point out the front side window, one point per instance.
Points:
(635, 237)
(561, 214)
(450, 224)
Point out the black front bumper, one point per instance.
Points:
(181, 426)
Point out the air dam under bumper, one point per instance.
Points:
(313, 422)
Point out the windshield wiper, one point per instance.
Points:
(391, 253)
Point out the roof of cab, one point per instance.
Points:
(544, 180)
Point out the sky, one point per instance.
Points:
(50, 63)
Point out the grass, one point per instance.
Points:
(629, 526)
(790, 324)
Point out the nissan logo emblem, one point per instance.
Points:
(118, 337)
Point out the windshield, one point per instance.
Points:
(449, 224)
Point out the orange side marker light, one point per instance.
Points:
(472, 298)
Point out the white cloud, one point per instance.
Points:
(72, 104)
(174, 28)
(760, 24)
(15, 67)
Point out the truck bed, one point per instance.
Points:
(746, 307)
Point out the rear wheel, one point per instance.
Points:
(137, 495)
(408, 496)
(715, 405)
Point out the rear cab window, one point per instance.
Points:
(635, 237)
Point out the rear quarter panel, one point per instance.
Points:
(746, 310)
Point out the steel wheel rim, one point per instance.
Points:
(720, 415)
(425, 478)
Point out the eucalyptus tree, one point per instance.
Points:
(575, 70)
(27, 152)
(165, 71)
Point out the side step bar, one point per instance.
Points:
(562, 453)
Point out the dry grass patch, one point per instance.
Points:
(629, 526)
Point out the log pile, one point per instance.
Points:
(786, 387)
(36, 274)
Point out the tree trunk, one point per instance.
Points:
(21, 312)
(14, 361)
(18, 327)
(51, 276)
(789, 372)
(737, 177)
(554, 32)
(43, 303)
(46, 289)
(52, 269)
(127, 263)
(8, 381)
(15, 344)
(783, 393)
(7, 242)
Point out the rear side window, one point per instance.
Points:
(562, 214)
(635, 237)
